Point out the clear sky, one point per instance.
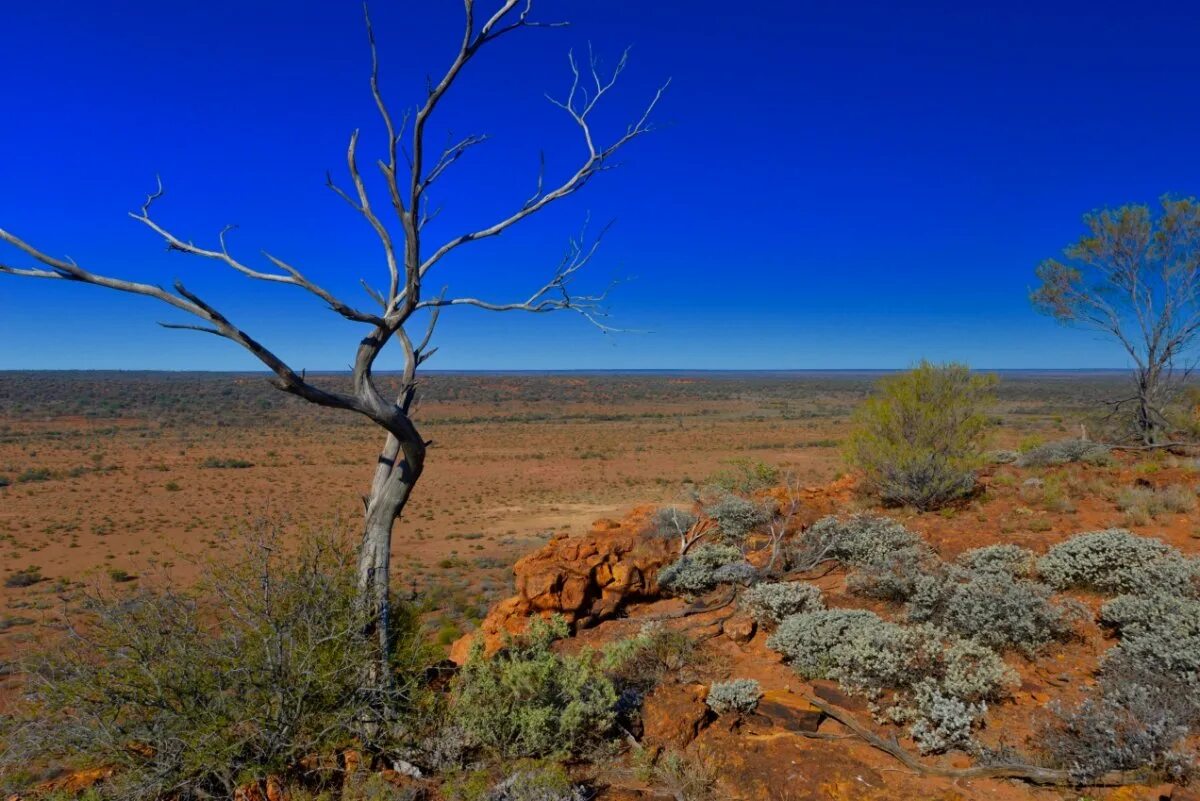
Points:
(851, 184)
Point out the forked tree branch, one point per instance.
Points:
(405, 261)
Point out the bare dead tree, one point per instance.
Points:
(1135, 277)
(409, 262)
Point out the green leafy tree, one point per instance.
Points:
(918, 438)
(1135, 277)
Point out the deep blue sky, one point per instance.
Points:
(856, 184)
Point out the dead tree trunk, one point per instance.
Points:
(400, 301)
(396, 476)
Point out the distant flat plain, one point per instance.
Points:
(117, 474)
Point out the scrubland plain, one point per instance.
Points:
(113, 476)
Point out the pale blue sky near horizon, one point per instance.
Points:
(856, 185)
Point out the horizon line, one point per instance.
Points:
(555, 370)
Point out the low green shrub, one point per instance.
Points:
(189, 694)
(639, 663)
(217, 463)
(737, 696)
(528, 701)
(25, 577)
(770, 602)
(34, 475)
(918, 439)
(746, 476)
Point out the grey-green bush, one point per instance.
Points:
(770, 602)
(1132, 721)
(528, 701)
(942, 682)
(671, 522)
(1117, 560)
(994, 608)
(1064, 452)
(736, 517)
(1014, 560)
(1158, 630)
(862, 539)
(890, 558)
(735, 696)
(696, 571)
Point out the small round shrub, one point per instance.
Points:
(994, 609)
(742, 573)
(891, 559)
(1003, 558)
(1160, 631)
(1066, 451)
(1113, 560)
(528, 701)
(770, 602)
(809, 640)
(738, 696)
(897, 577)
(917, 440)
(736, 517)
(861, 540)
(696, 571)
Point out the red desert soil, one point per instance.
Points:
(766, 755)
(144, 473)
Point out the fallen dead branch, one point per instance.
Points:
(687, 611)
(1029, 773)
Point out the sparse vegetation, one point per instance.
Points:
(217, 463)
(190, 693)
(745, 476)
(25, 577)
(1142, 504)
(918, 440)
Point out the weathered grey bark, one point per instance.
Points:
(402, 305)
